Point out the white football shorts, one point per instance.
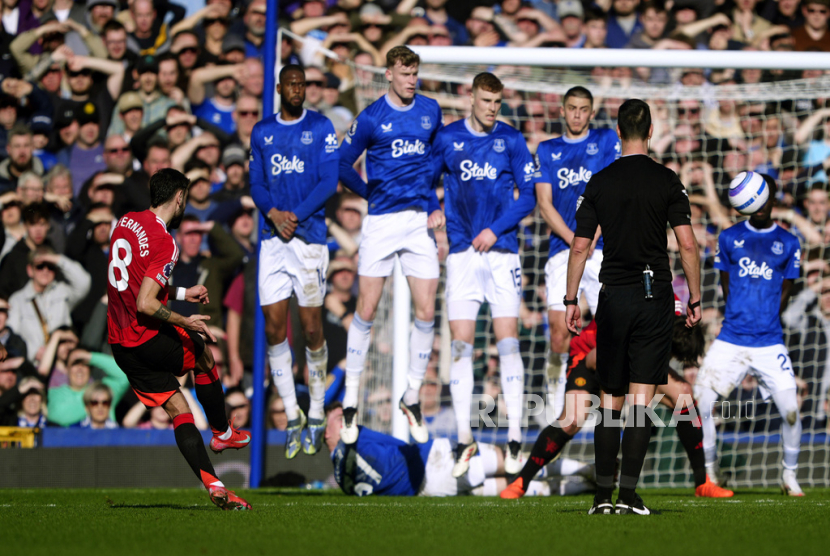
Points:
(726, 365)
(404, 234)
(473, 277)
(293, 267)
(556, 280)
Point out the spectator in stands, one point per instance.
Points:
(117, 156)
(149, 35)
(14, 344)
(347, 230)
(439, 420)
(276, 413)
(9, 393)
(20, 149)
(32, 412)
(44, 304)
(21, 102)
(99, 13)
(596, 29)
(237, 407)
(67, 405)
(134, 195)
(234, 161)
(186, 49)
(98, 400)
(89, 245)
(115, 41)
(86, 157)
(168, 79)
(813, 34)
(653, 19)
(818, 148)
(213, 22)
(747, 24)
(255, 23)
(623, 23)
(314, 81)
(217, 109)
(783, 12)
(52, 364)
(80, 78)
(36, 220)
(436, 14)
(51, 36)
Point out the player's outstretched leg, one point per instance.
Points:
(787, 403)
(461, 390)
(420, 349)
(548, 446)
(190, 444)
(210, 395)
(512, 385)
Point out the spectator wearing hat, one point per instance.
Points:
(51, 36)
(21, 159)
(218, 109)
(130, 110)
(255, 24)
(813, 35)
(623, 23)
(32, 412)
(234, 165)
(44, 304)
(572, 19)
(233, 49)
(41, 127)
(86, 156)
(154, 103)
(66, 125)
(99, 13)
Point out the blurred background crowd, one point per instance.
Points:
(95, 97)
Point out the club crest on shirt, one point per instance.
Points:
(307, 138)
(426, 123)
(353, 129)
(797, 258)
(777, 247)
(592, 149)
(498, 145)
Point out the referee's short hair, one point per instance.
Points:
(634, 120)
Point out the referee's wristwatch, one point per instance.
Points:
(574, 301)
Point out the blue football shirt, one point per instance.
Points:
(294, 168)
(568, 164)
(758, 262)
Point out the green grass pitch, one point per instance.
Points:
(160, 522)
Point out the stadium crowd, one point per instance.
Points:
(96, 97)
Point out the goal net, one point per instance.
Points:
(707, 133)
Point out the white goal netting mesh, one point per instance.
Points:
(707, 133)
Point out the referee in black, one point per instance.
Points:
(631, 200)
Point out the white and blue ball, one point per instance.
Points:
(748, 192)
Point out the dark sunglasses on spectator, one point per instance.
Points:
(254, 113)
(118, 150)
(817, 10)
(313, 83)
(235, 407)
(4, 309)
(188, 50)
(53, 70)
(95, 403)
(49, 266)
(211, 21)
(85, 72)
(684, 111)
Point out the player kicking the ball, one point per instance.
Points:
(758, 261)
(294, 163)
(152, 344)
(566, 165)
(396, 131)
(484, 160)
(582, 382)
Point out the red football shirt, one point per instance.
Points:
(140, 246)
(587, 340)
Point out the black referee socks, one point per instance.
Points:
(634, 447)
(606, 448)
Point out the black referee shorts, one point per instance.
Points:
(633, 336)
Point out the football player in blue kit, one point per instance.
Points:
(482, 161)
(758, 260)
(566, 165)
(294, 170)
(397, 132)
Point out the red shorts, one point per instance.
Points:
(153, 366)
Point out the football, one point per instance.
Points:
(748, 192)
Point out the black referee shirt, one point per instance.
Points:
(632, 199)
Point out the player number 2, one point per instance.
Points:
(785, 363)
(121, 263)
